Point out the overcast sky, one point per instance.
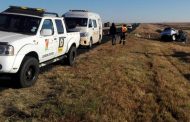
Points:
(116, 10)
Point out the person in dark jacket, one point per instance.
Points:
(182, 36)
(113, 33)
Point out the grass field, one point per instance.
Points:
(145, 80)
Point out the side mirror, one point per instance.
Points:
(46, 32)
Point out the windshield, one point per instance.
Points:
(19, 24)
(76, 22)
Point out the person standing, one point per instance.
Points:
(123, 34)
(182, 36)
(113, 33)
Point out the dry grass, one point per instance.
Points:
(144, 80)
(149, 31)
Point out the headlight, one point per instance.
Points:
(84, 34)
(6, 50)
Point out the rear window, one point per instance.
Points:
(59, 25)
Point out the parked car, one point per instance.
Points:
(107, 24)
(130, 27)
(89, 25)
(31, 38)
(169, 34)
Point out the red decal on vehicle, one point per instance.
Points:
(46, 44)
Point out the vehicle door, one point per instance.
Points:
(100, 28)
(90, 30)
(61, 37)
(95, 31)
(46, 40)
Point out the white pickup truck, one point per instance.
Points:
(32, 38)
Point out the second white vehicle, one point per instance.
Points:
(87, 23)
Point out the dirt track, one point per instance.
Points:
(145, 80)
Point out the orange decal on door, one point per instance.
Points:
(46, 44)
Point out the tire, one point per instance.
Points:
(100, 39)
(71, 56)
(173, 37)
(90, 44)
(28, 73)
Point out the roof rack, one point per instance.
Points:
(27, 8)
(78, 10)
(29, 11)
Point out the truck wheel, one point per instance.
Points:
(71, 56)
(29, 72)
(173, 37)
(90, 43)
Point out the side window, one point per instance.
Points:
(3, 20)
(48, 24)
(95, 23)
(59, 26)
(90, 23)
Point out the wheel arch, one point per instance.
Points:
(25, 51)
(32, 54)
(74, 44)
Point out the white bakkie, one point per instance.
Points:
(31, 38)
(89, 25)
